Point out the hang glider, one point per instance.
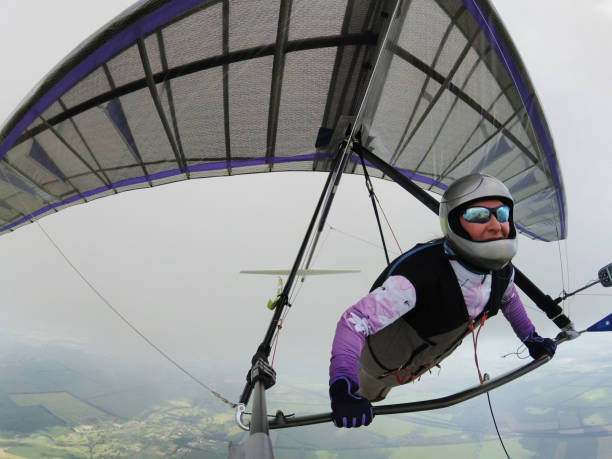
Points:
(421, 92)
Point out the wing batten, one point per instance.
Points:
(278, 70)
(226, 117)
(180, 159)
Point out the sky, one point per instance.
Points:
(168, 258)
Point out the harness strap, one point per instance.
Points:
(406, 375)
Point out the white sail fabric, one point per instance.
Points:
(182, 89)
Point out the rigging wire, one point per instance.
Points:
(567, 263)
(130, 325)
(563, 278)
(295, 290)
(539, 311)
(486, 376)
(565, 273)
(365, 241)
(593, 294)
(496, 429)
(293, 294)
(279, 326)
(388, 223)
(374, 199)
(520, 351)
(124, 319)
(322, 245)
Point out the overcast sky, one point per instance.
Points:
(169, 257)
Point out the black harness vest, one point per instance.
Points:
(436, 325)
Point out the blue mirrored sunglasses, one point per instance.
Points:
(481, 214)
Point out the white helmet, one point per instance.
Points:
(487, 255)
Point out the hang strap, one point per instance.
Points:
(370, 188)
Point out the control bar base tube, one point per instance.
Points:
(281, 421)
(258, 444)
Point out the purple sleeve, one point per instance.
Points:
(514, 311)
(346, 350)
(372, 313)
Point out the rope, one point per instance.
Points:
(129, 324)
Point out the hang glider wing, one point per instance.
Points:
(180, 89)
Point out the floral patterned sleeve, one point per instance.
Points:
(382, 306)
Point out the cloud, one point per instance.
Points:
(604, 7)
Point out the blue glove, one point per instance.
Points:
(348, 408)
(539, 346)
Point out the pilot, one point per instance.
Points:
(428, 299)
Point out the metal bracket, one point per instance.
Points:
(568, 333)
(240, 410)
(605, 275)
(261, 372)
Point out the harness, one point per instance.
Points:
(435, 327)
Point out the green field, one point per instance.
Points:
(63, 405)
(115, 414)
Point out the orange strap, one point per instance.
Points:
(475, 341)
